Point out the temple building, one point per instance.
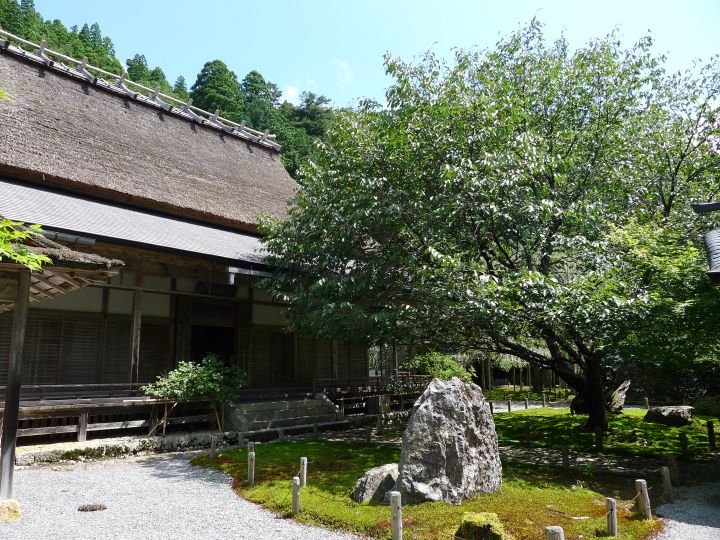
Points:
(172, 195)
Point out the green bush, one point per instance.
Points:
(210, 379)
(709, 405)
(441, 366)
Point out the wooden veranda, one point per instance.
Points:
(71, 270)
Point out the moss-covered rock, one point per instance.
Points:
(481, 526)
(9, 510)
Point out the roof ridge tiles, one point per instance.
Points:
(183, 110)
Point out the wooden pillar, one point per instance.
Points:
(102, 356)
(12, 393)
(136, 325)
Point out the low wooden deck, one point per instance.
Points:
(79, 411)
(53, 410)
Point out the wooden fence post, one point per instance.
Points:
(396, 515)
(527, 404)
(711, 434)
(251, 469)
(295, 496)
(667, 484)
(542, 394)
(251, 446)
(565, 456)
(509, 406)
(647, 403)
(213, 446)
(83, 425)
(643, 498)
(674, 470)
(303, 471)
(492, 409)
(611, 516)
(554, 533)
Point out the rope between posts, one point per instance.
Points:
(327, 498)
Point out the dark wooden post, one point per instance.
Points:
(136, 326)
(12, 393)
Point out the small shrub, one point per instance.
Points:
(709, 405)
(438, 365)
(210, 379)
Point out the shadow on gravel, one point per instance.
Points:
(178, 467)
(696, 505)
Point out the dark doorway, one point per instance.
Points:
(219, 340)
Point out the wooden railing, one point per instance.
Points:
(366, 385)
(42, 392)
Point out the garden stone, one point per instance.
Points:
(9, 510)
(449, 448)
(678, 415)
(375, 483)
(616, 401)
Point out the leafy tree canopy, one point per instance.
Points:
(491, 205)
(216, 88)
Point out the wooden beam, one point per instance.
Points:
(136, 327)
(12, 394)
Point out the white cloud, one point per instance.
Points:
(343, 75)
(292, 94)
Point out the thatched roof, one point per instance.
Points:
(712, 241)
(61, 130)
(64, 256)
(712, 247)
(70, 270)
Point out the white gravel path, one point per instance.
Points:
(695, 514)
(150, 498)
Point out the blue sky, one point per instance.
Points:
(335, 48)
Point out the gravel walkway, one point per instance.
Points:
(150, 498)
(695, 514)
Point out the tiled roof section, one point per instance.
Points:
(62, 130)
(85, 217)
(712, 247)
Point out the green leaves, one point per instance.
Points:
(210, 380)
(12, 236)
(520, 195)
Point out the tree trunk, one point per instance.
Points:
(536, 378)
(595, 395)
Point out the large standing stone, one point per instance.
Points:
(375, 483)
(679, 415)
(449, 449)
(616, 401)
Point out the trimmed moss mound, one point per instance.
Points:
(481, 526)
(9, 510)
